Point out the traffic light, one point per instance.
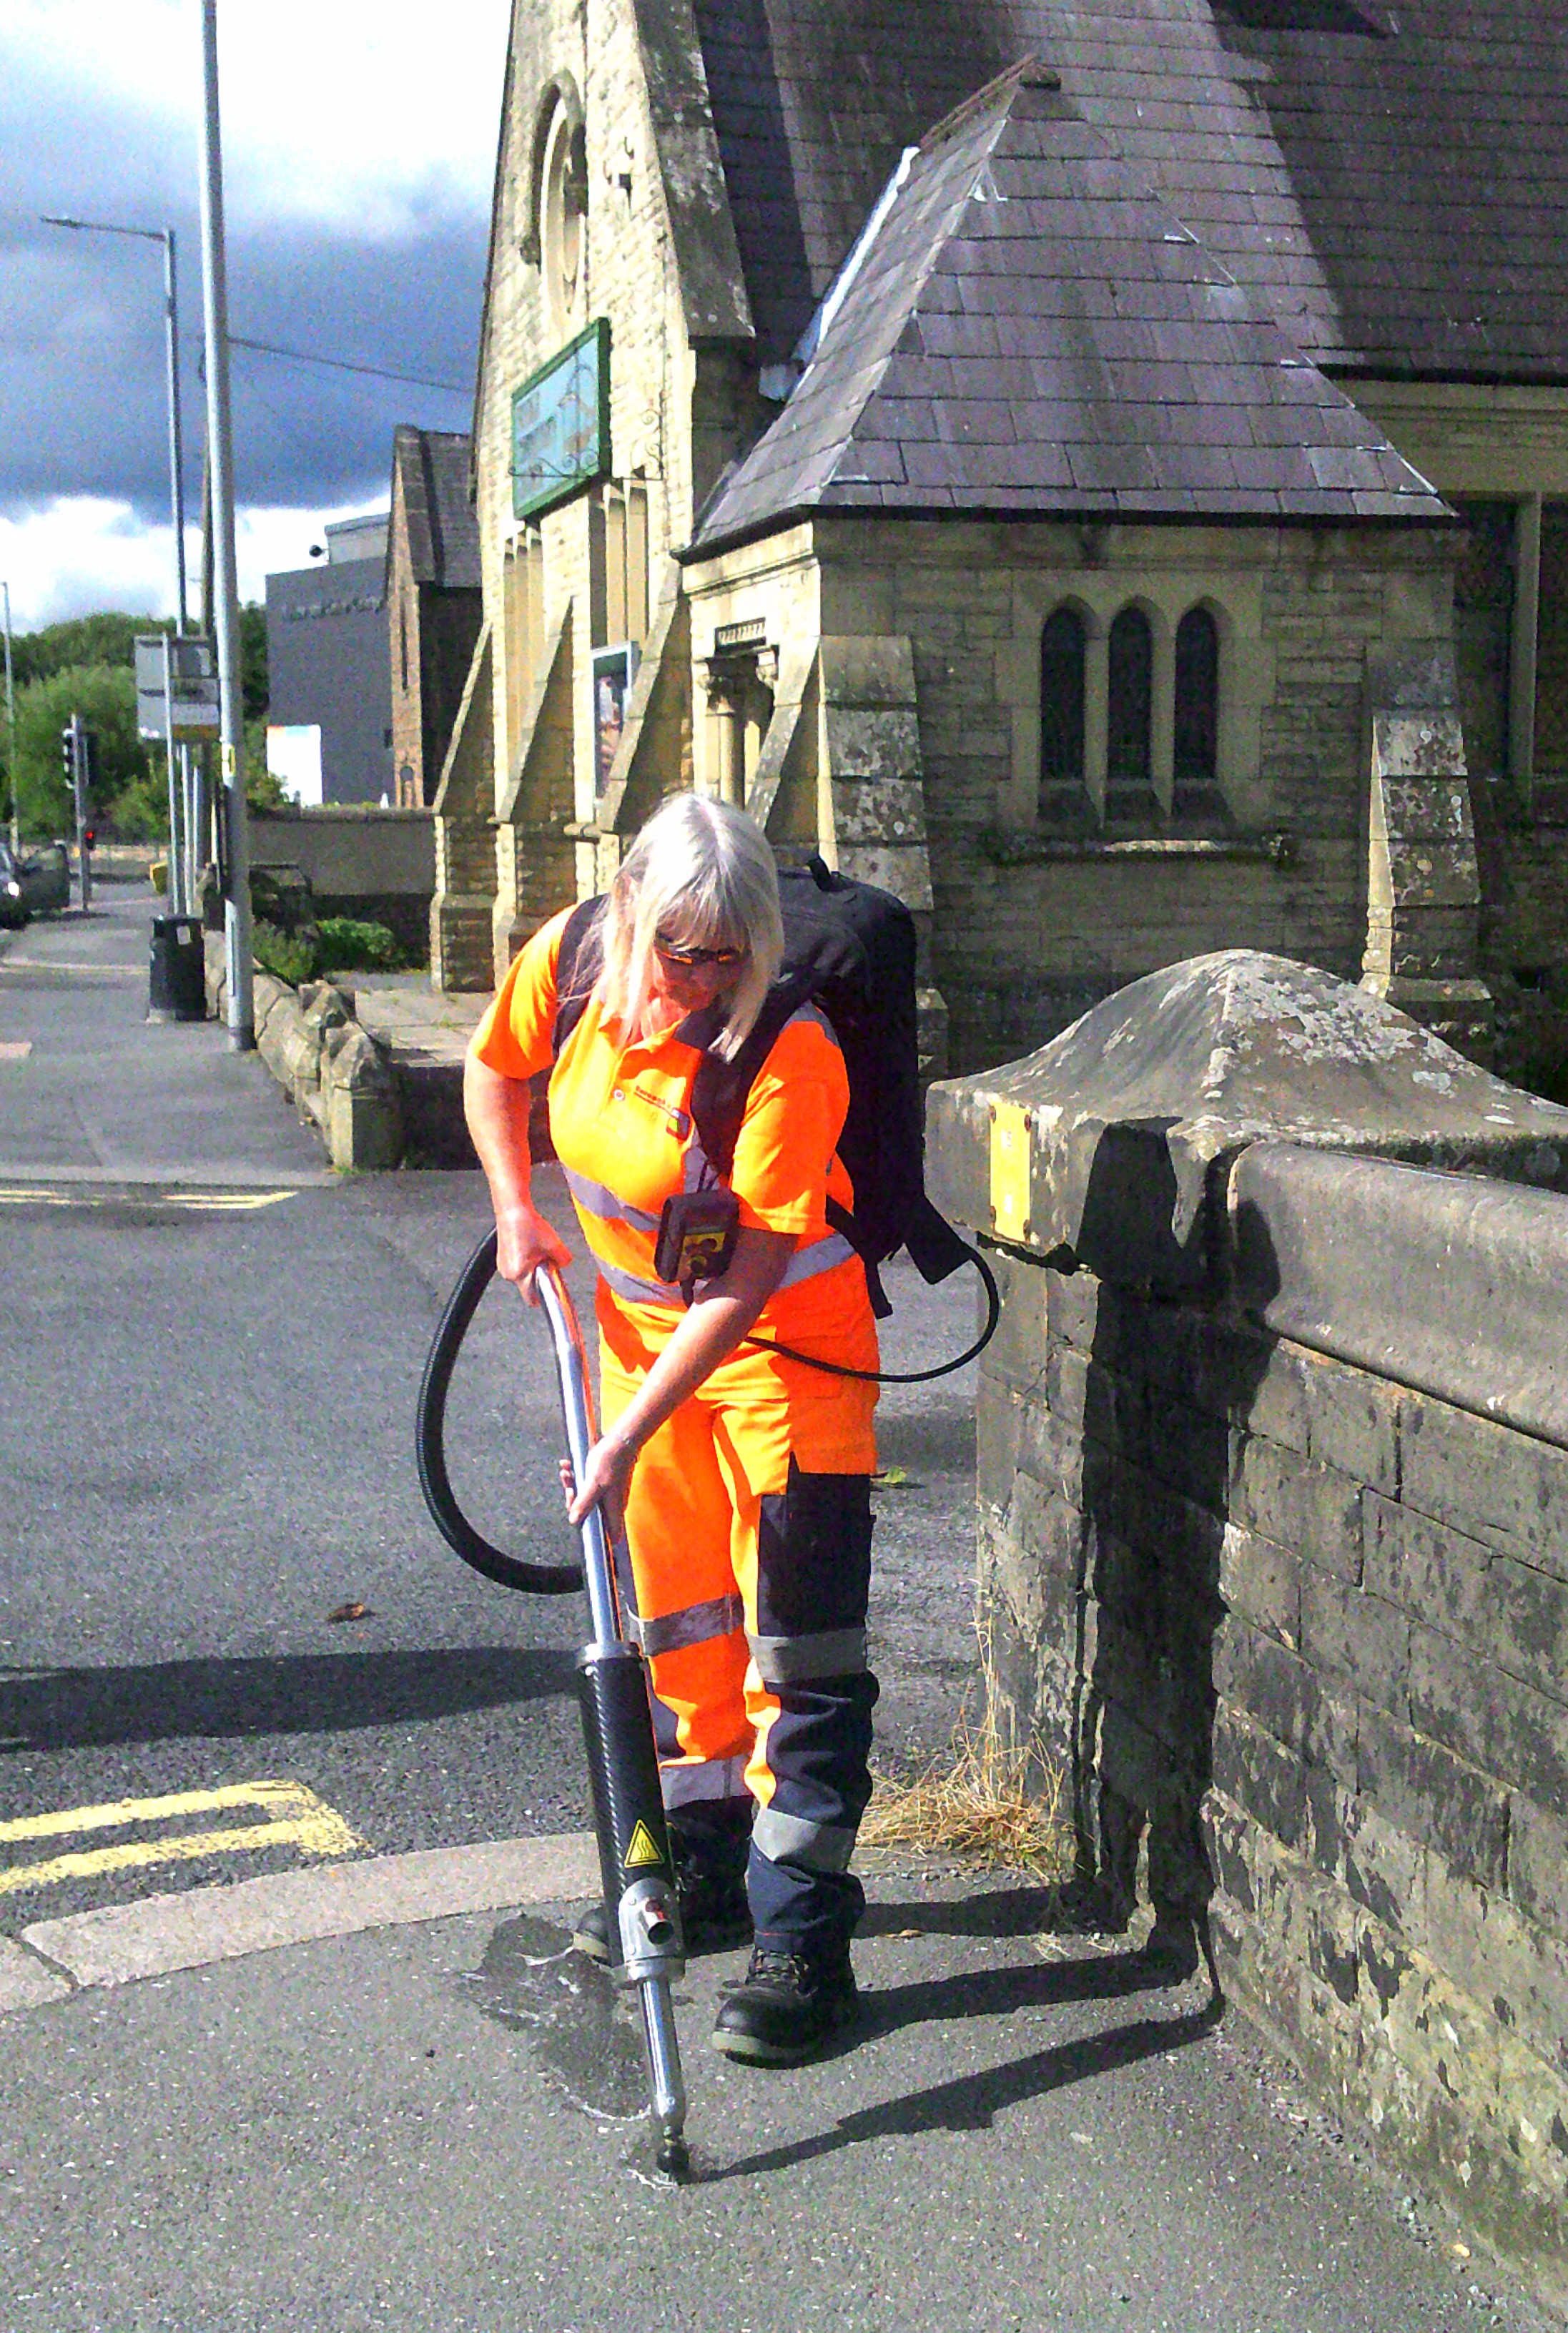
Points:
(89, 837)
(68, 752)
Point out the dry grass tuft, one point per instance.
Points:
(981, 1801)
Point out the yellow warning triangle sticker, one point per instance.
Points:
(643, 1849)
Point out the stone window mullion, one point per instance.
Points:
(1096, 713)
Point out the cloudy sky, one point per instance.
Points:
(358, 160)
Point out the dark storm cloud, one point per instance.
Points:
(81, 381)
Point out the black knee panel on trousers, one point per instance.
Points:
(813, 1558)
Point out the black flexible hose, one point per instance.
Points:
(510, 1571)
(562, 1579)
(904, 1376)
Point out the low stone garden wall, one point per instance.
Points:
(332, 1069)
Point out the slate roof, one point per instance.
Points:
(1400, 197)
(1031, 330)
(443, 526)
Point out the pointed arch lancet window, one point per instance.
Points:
(1195, 723)
(1196, 711)
(1064, 656)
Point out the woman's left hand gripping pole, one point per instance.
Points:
(640, 1907)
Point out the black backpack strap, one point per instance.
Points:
(577, 967)
(721, 1089)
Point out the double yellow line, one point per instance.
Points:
(295, 1818)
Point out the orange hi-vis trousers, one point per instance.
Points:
(750, 1526)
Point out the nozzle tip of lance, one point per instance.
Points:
(673, 2158)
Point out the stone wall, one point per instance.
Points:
(1030, 925)
(1031, 928)
(1273, 1505)
(379, 865)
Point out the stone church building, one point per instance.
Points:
(1099, 470)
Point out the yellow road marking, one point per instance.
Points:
(67, 964)
(298, 1818)
(201, 1203)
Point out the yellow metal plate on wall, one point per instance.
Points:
(1012, 1130)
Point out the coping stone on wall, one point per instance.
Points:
(1131, 1107)
(1375, 1264)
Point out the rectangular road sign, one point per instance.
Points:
(195, 688)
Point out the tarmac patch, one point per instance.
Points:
(570, 2012)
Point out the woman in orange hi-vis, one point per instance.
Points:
(744, 1476)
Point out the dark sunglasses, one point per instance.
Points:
(695, 957)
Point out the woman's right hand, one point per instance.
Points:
(524, 1241)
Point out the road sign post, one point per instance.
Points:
(178, 702)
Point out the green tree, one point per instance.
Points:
(255, 684)
(107, 639)
(105, 697)
(132, 794)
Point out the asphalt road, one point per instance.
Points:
(211, 1350)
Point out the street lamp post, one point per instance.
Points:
(215, 303)
(181, 865)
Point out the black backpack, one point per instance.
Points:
(850, 950)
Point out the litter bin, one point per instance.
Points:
(176, 985)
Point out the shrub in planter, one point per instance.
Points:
(346, 945)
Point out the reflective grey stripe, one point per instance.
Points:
(785, 1838)
(699, 1624)
(699, 1174)
(821, 1256)
(599, 1199)
(702, 1780)
(791, 1660)
(639, 1291)
(804, 1264)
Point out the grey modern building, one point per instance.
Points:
(327, 652)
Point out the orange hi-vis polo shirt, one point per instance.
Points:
(621, 1122)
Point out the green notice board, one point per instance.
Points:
(561, 424)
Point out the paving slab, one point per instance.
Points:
(437, 2125)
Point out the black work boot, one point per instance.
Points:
(787, 2007)
(709, 1886)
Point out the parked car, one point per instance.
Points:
(33, 886)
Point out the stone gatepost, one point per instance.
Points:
(1272, 1534)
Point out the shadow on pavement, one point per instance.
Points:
(972, 2101)
(997, 1911)
(324, 1692)
(997, 1992)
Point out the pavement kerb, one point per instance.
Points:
(161, 1934)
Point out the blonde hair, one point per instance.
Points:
(705, 869)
